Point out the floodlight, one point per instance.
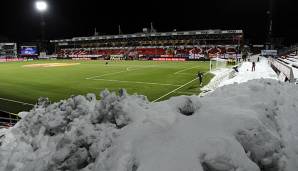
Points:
(41, 6)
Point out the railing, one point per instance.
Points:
(8, 119)
(285, 72)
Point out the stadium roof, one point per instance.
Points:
(157, 34)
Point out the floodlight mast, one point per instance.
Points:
(41, 7)
(270, 24)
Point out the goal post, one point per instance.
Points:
(217, 63)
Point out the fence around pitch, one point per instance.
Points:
(8, 119)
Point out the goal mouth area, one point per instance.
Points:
(218, 63)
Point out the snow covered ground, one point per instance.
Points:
(252, 126)
(293, 61)
(221, 75)
(295, 72)
(263, 70)
(227, 76)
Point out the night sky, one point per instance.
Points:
(70, 18)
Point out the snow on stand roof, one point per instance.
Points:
(248, 127)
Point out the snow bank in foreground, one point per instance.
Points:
(246, 127)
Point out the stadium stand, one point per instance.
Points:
(8, 52)
(188, 44)
(230, 50)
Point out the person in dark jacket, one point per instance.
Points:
(253, 68)
(236, 68)
(200, 77)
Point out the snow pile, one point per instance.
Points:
(293, 63)
(263, 70)
(221, 75)
(2, 134)
(226, 76)
(246, 127)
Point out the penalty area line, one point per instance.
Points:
(136, 82)
(179, 72)
(113, 73)
(174, 90)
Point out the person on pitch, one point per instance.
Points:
(200, 77)
(253, 68)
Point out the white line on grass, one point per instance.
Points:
(175, 90)
(113, 73)
(130, 66)
(128, 69)
(15, 101)
(178, 72)
(184, 74)
(136, 82)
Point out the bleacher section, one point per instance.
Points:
(291, 61)
(136, 52)
(8, 50)
(190, 45)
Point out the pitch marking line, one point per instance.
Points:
(178, 72)
(113, 73)
(136, 82)
(129, 69)
(184, 74)
(15, 101)
(175, 90)
(132, 66)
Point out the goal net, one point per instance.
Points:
(217, 63)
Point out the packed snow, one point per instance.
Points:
(263, 70)
(293, 61)
(242, 127)
(227, 76)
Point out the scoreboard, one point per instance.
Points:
(29, 51)
(269, 52)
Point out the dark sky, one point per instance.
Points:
(69, 18)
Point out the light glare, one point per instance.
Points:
(41, 6)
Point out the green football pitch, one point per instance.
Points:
(22, 83)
